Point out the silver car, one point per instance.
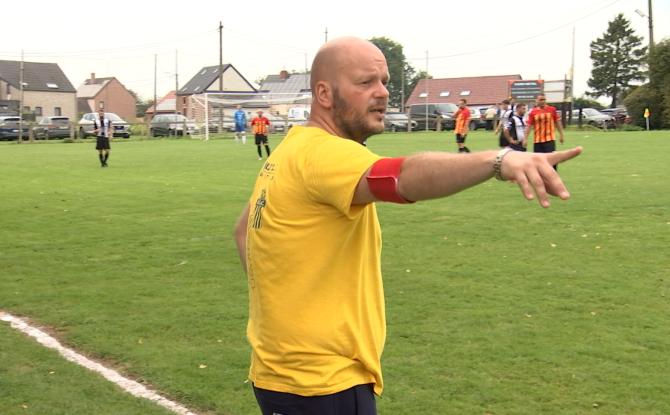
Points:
(121, 128)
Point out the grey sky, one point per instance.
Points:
(261, 37)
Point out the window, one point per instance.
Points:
(38, 111)
(52, 85)
(57, 111)
(26, 109)
(423, 95)
(465, 93)
(101, 105)
(444, 93)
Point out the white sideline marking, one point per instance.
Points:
(130, 386)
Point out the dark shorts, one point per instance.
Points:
(546, 147)
(239, 128)
(261, 139)
(502, 141)
(358, 400)
(102, 143)
(460, 138)
(517, 147)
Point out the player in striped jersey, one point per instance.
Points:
(462, 116)
(260, 126)
(543, 119)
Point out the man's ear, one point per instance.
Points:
(324, 94)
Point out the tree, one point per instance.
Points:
(583, 102)
(617, 58)
(401, 72)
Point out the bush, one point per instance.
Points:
(630, 127)
(646, 97)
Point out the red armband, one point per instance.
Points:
(383, 180)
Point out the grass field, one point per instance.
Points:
(494, 305)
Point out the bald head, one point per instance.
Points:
(339, 54)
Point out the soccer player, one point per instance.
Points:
(310, 242)
(462, 116)
(240, 125)
(515, 129)
(506, 111)
(543, 119)
(102, 127)
(260, 126)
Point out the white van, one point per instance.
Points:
(297, 116)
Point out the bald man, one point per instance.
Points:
(310, 242)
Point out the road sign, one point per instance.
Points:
(525, 90)
(646, 113)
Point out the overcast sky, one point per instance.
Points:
(484, 37)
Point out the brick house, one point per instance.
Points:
(107, 93)
(477, 90)
(46, 89)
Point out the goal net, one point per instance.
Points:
(214, 112)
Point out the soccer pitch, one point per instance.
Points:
(494, 305)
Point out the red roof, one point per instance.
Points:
(484, 90)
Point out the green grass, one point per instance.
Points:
(494, 305)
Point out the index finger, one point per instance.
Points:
(565, 155)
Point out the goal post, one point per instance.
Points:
(214, 112)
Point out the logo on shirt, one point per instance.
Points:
(258, 210)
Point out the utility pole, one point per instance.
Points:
(20, 99)
(220, 75)
(176, 85)
(651, 28)
(425, 90)
(326, 33)
(155, 74)
(571, 97)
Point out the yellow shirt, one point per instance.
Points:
(316, 302)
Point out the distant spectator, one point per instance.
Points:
(506, 110)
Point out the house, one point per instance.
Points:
(166, 105)
(289, 90)
(191, 102)
(107, 93)
(46, 90)
(477, 90)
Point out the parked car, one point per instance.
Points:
(619, 114)
(172, 125)
(9, 128)
(297, 116)
(422, 112)
(121, 128)
(477, 120)
(397, 121)
(592, 116)
(277, 123)
(52, 127)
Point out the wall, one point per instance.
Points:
(116, 99)
(67, 101)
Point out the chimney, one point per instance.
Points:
(283, 75)
(92, 77)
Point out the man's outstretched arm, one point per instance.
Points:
(434, 175)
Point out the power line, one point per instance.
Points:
(504, 45)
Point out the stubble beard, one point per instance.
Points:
(352, 124)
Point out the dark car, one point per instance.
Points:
(619, 114)
(52, 127)
(172, 125)
(9, 128)
(397, 121)
(121, 128)
(422, 113)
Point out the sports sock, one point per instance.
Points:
(260, 153)
(102, 161)
(244, 139)
(267, 149)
